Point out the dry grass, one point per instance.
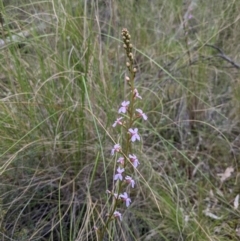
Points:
(61, 85)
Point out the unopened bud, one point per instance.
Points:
(128, 64)
(134, 70)
(127, 78)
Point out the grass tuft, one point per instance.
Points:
(62, 71)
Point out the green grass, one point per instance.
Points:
(61, 86)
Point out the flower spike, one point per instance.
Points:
(123, 150)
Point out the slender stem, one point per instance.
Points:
(127, 138)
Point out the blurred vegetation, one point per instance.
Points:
(62, 68)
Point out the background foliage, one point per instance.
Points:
(62, 68)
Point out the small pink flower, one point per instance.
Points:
(125, 198)
(117, 214)
(136, 94)
(130, 180)
(141, 114)
(121, 160)
(124, 106)
(134, 160)
(118, 121)
(119, 176)
(134, 133)
(116, 148)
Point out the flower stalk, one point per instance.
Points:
(127, 161)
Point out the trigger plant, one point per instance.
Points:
(124, 150)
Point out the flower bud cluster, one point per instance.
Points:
(128, 47)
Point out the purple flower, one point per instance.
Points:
(134, 160)
(134, 133)
(136, 94)
(119, 176)
(123, 108)
(117, 214)
(121, 160)
(141, 114)
(118, 121)
(130, 180)
(125, 198)
(116, 148)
